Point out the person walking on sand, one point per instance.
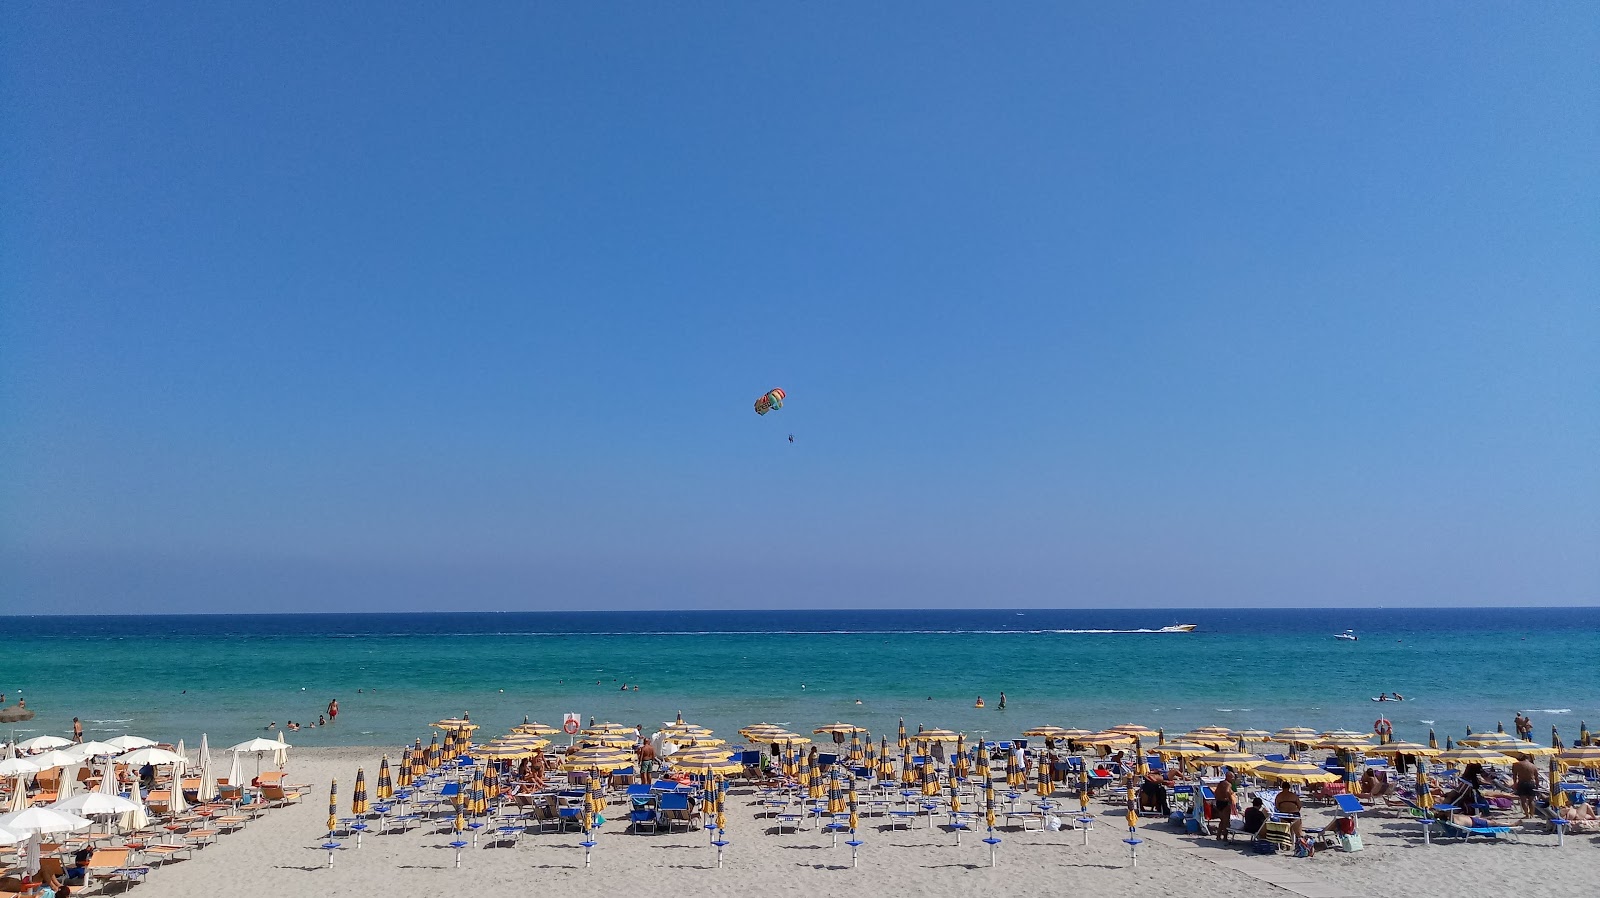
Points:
(333, 710)
(77, 730)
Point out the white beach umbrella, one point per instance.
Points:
(208, 783)
(259, 747)
(8, 838)
(52, 758)
(87, 750)
(181, 751)
(44, 821)
(18, 767)
(95, 804)
(157, 756)
(29, 854)
(108, 777)
(178, 804)
(139, 817)
(129, 743)
(233, 771)
(40, 743)
(68, 782)
(19, 796)
(281, 756)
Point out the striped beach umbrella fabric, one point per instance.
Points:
(385, 790)
(333, 807)
(358, 796)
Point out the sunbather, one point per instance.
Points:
(1254, 816)
(1287, 803)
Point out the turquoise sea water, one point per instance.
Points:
(230, 675)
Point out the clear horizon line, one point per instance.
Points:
(1021, 609)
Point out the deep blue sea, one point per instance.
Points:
(231, 675)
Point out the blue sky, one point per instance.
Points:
(404, 306)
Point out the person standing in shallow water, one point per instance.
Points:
(77, 730)
(1002, 705)
(333, 710)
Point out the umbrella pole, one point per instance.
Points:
(721, 843)
(588, 843)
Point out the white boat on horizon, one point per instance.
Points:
(1348, 636)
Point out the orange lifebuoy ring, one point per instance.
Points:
(1382, 727)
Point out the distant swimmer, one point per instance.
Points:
(791, 437)
(1002, 701)
(979, 703)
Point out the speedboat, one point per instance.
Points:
(1178, 628)
(1348, 635)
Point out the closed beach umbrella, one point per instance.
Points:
(280, 758)
(869, 752)
(1433, 741)
(958, 762)
(930, 776)
(1555, 739)
(333, 807)
(434, 758)
(814, 787)
(850, 799)
(1424, 791)
(1045, 786)
(955, 800)
(208, 778)
(905, 744)
(480, 797)
(885, 761)
(1558, 795)
(855, 747)
(1583, 733)
(803, 773)
(459, 802)
(908, 769)
(988, 804)
(791, 760)
(836, 802)
(403, 771)
(1015, 776)
(359, 805)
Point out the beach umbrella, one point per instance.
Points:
(333, 807)
(94, 804)
(1047, 732)
(1487, 740)
(18, 767)
(814, 787)
(885, 762)
(1253, 735)
(1401, 748)
(1585, 756)
(1292, 770)
(930, 776)
(1210, 739)
(358, 796)
(931, 736)
(608, 729)
(1230, 758)
(480, 800)
(763, 732)
(41, 743)
(856, 754)
(958, 763)
(908, 769)
(598, 759)
(1519, 748)
(1583, 733)
(434, 753)
(1106, 738)
(839, 730)
(955, 801)
(129, 743)
(803, 773)
(1474, 754)
(419, 761)
(1133, 729)
(1433, 741)
(1016, 777)
(530, 728)
(458, 803)
(850, 801)
(53, 758)
(1558, 795)
(1044, 785)
(1424, 789)
(1181, 750)
(43, 821)
(9, 838)
(403, 770)
(86, 750)
(836, 802)
(869, 752)
(988, 804)
(1303, 736)
(707, 762)
(208, 781)
(280, 758)
(904, 743)
(454, 724)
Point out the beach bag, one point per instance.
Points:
(1304, 848)
(599, 820)
(1350, 842)
(1346, 826)
(1262, 846)
(1053, 823)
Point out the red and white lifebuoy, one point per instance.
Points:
(1382, 727)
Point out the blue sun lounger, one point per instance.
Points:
(1467, 832)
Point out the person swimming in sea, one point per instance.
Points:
(978, 703)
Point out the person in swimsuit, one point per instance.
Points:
(1525, 776)
(647, 762)
(1223, 806)
(1286, 802)
(333, 710)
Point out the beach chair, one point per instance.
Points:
(1349, 805)
(1467, 832)
(676, 808)
(1278, 834)
(645, 813)
(275, 796)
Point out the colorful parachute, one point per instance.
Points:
(773, 400)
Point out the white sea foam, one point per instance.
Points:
(1552, 710)
(1428, 722)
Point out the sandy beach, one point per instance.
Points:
(277, 855)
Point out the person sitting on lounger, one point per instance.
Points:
(1368, 787)
(73, 875)
(1153, 794)
(1255, 816)
(1287, 803)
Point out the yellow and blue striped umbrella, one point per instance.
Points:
(905, 744)
(836, 802)
(433, 753)
(1424, 793)
(333, 807)
(404, 770)
(814, 788)
(885, 761)
(459, 801)
(850, 799)
(1016, 777)
(988, 803)
(930, 776)
(955, 799)
(385, 780)
(802, 774)
(358, 795)
(856, 754)
(1045, 786)
(908, 769)
(958, 763)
